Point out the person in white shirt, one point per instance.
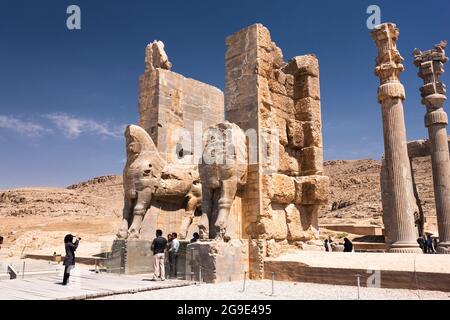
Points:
(173, 255)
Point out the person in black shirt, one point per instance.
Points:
(326, 244)
(69, 259)
(159, 245)
(422, 245)
(348, 245)
(195, 237)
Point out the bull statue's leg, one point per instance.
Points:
(207, 207)
(194, 199)
(228, 192)
(188, 215)
(122, 234)
(142, 204)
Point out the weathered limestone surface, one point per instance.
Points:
(156, 57)
(420, 148)
(431, 67)
(148, 178)
(169, 102)
(279, 103)
(223, 173)
(386, 198)
(391, 95)
(270, 192)
(171, 108)
(130, 257)
(138, 257)
(386, 202)
(219, 261)
(416, 149)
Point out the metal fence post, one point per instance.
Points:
(122, 260)
(358, 282)
(245, 278)
(192, 264)
(23, 270)
(273, 283)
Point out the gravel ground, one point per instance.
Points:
(261, 290)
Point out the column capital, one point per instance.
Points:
(389, 62)
(391, 90)
(436, 117)
(431, 67)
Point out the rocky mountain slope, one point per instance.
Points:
(96, 197)
(355, 195)
(35, 220)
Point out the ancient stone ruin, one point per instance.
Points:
(257, 165)
(246, 172)
(171, 109)
(285, 185)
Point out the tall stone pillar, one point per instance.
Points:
(277, 104)
(386, 202)
(391, 95)
(431, 66)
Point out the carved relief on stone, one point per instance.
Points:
(148, 177)
(223, 169)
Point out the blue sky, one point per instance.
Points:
(65, 95)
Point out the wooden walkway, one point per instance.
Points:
(83, 285)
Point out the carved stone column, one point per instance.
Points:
(431, 66)
(391, 95)
(386, 201)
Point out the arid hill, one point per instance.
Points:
(36, 219)
(355, 195)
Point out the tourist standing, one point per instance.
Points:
(430, 248)
(169, 241)
(425, 246)
(173, 255)
(69, 259)
(422, 243)
(195, 237)
(326, 244)
(167, 260)
(348, 245)
(158, 247)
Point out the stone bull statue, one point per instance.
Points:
(223, 169)
(148, 177)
